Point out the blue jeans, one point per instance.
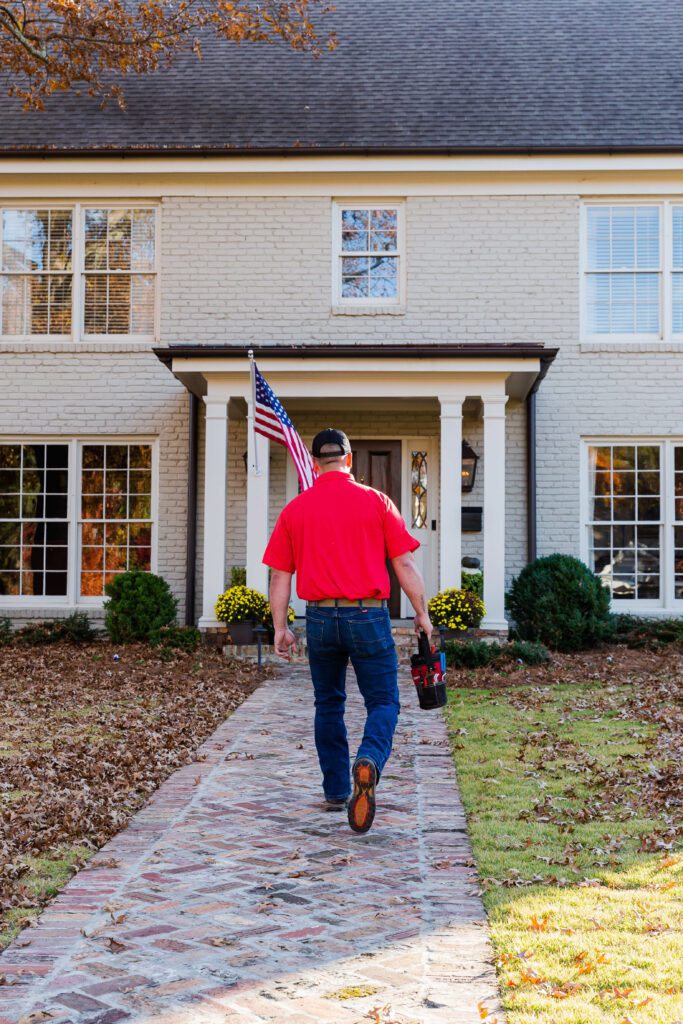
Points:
(333, 636)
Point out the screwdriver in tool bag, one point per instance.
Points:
(428, 669)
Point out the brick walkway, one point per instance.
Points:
(233, 897)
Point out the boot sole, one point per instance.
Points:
(362, 803)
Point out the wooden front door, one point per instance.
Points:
(378, 464)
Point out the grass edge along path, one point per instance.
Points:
(586, 924)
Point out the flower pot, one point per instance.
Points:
(241, 632)
(456, 634)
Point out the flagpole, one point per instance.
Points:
(252, 413)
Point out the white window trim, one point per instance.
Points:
(667, 603)
(369, 304)
(73, 598)
(78, 270)
(666, 333)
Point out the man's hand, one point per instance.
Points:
(285, 641)
(423, 624)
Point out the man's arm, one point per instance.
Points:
(280, 593)
(411, 582)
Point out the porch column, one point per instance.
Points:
(257, 507)
(215, 493)
(494, 511)
(450, 468)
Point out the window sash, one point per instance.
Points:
(627, 530)
(668, 272)
(78, 272)
(34, 540)
(73, 518)
(339, 254)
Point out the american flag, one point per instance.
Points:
(271, 420)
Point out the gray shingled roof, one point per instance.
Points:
(409, 75)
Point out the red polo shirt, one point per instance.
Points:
(337, 536)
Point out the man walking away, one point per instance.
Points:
(337, 537)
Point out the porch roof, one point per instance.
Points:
(521, 365)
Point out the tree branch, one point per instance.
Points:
(10, 23)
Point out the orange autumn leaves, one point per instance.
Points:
(583, 963)
(49, 46)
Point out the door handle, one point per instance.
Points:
(433, 524)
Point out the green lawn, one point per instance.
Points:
(573, 796)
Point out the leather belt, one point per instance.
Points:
(345, 602)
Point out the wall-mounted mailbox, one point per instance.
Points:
(471, 519)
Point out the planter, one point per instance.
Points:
(241, 632)
(456, 634)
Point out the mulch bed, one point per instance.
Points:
(88, 733)
(614, 665)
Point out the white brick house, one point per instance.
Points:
(521, 287)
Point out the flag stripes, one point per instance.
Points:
(271, 420)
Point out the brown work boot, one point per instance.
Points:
(362, 802)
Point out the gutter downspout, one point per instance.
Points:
(531, 521)
(191, 525)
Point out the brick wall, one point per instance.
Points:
(481, 269)
(105, 394)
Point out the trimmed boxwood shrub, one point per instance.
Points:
(559, 601)
(140, 604)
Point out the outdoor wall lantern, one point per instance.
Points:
(469, 466)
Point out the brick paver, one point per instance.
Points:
(233, 897)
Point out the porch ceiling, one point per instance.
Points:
(301, 372)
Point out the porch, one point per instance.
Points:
(406, 411)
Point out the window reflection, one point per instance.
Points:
(33, 519)
(625, 512)
(116, 510)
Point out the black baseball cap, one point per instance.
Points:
(330, 437)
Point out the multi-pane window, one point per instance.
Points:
(678, 522)
(119, 272)
(33, 519)
(83, 272)
(368, 254)
(36, 278)
(116, 513)
(72, 515)
(623, 278)
(633, 270)
(635, 503)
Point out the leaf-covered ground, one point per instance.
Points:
(572, 778)
(86, 735)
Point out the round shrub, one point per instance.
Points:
(139, 605)
(560, 602)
